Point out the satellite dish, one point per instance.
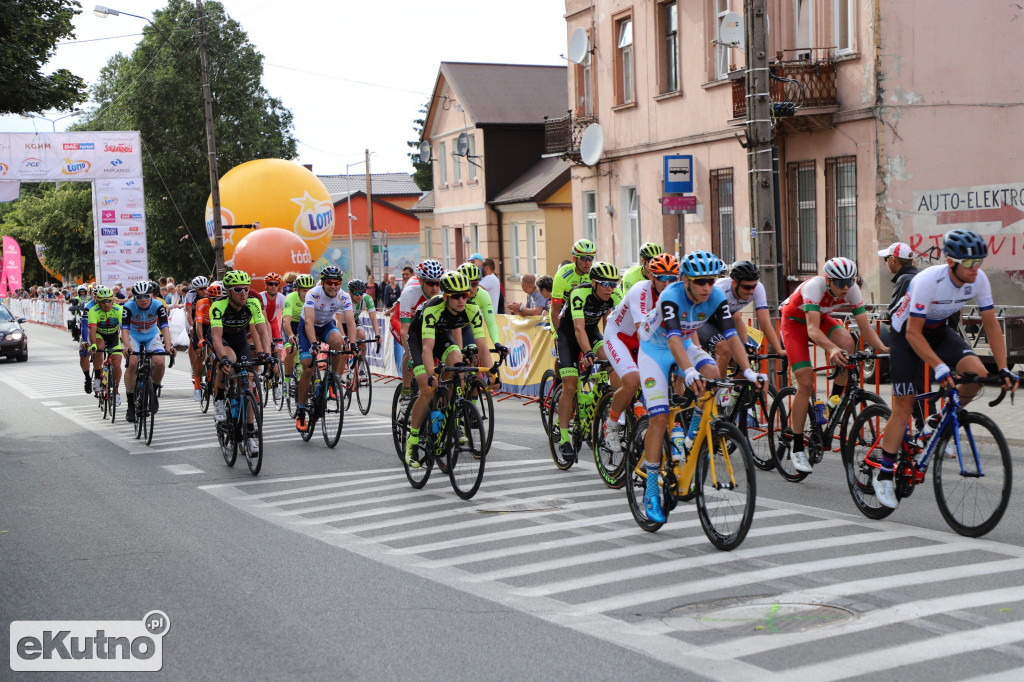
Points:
(730, 29)
(579, 45)
(461, 145)
(592, 144)
(425, 151)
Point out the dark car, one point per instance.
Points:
(13, 339)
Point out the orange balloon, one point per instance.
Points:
(271, 249)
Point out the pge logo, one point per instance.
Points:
(520, 349)
(89, 645)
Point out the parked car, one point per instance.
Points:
(13, 339)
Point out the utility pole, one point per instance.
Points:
(369, 212)
(759, 150)
(211, 144)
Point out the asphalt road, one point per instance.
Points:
(330, 566)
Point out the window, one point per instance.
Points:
(531, 247)
(456, 167)
(803, 244)
(723, 234)
(803, 30)
(585, 85)
(624, 61)
(446, 246)
(428, 248)
(513, 242)
(442, 161)
(590, 216)
(471, 160)
(630, 226)
(669, 25)
(841, 207)
(722, 53)
(474, 238)
(842, 25)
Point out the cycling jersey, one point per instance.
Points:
(292, 311)
(323, 306)
(363, 304)
(434, 317)
(935, 297)
(235, 321)
(85, 327)
(677, 315)
(759, 299)
(202, 315)
(813, 294)
(585, 305)
(564, 281)
(144, 324)
(482, 300)
(272, 305)
(620, 329)
(409, 300)
(632, 276)
(106, 323)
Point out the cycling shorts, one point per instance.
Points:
(655, 364)
(797, 342)
(322, 334)
(443, 345)
(906, 369)
(239, 343)
(113, 342)
(622, 350)
(569, 351)
(154, 344)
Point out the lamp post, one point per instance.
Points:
(53, 121)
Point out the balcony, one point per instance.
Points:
(562, 136)
(809, 84)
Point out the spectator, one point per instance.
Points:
(371, 288)
(477, 260)
(536, 303)
(119, 291)
(289, 282)
(406, 274)
(491, 284)
(389, 296)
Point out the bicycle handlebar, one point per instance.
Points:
(995, 380)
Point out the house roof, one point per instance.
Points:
(542, 180)
(382, 185)
(425, 204)
(507, 94)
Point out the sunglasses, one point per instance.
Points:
(667, 278)
(606, 285)
(968, 262)
(143, 297)
(585, 259)
(240, 290)
(332, 282)
(273, 284)
(704, 281)
(747, 287)
(842, 283)
(430, 282)
(460, 296)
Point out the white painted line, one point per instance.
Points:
(181, 469)
(51, 403)
(497, 444)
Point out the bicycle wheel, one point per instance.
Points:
(345, 382)
(364, 387)
(277, 382)
(782, 448)
(141, 393)
(150, 415)
(466, 460)
(554, 433)
(754, 423)
(253, 457)
(725, 486)
(418, 476)
(226, 439)
(635, 478)
(206, 386)
(111, 395)
(866, 399)
(312, 406)
(547, 385)
(333, 415)
(973, 497)
(864, 442)
(292, 389)
(484, 403)
(611, 465)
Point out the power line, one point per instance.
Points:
(349, 80)
(177, 210)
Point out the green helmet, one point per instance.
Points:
(604, 271)
(305, 282)
(104, 294)
(454, 282)
(649, 250)
(237, 278)
(471, 271)
(584, 247)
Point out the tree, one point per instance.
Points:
(424, 175)
(29, 31)
(58, 218)
(156, 90)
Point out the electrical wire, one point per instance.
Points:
(175, 204)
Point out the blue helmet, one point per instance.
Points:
(701, 264)
(964, 244)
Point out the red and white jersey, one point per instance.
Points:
(813, 295)
(631, 311)
(272, 306)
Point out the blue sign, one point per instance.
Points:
(679, 174)
(385, 257)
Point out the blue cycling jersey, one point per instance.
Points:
(85, 320)
(144, 324)
(677, 315)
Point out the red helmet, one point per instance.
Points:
(272, 278)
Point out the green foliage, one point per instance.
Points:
(157, 91)
(57, 217)
(29, 31)
(424, 175)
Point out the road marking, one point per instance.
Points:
(498, 445)
(181, 469)
(51, 403)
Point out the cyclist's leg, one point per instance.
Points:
(306, 357)
(838, 335)
(333, 337)
(568, 359)
(156, 345)
(653, 365)
(133, 365)
(710, 337)
(624, 365)
(797, 343)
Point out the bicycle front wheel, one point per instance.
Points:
(466, 459)
(635, 478)
(725, 486)
(206, 386)
(252, 442)
(862, 448)
(364, 385)
(334, 413)
(782, 448)
(610, 461)
(972, 489)
(547, 386)
(141, 404)
(484, 403)
(150, 415)
(555, 434)
(277, 384)
(755, 424)
(226, 439)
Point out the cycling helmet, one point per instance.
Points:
(305, 282)
(215, 290)
(272, 278)
(83, 289)
(584, 247)
(356, 286)
(104, 294)
(604, 271)
(701, 264)
(964, 244)
(840, 268)
(200, 282)
(141, 289)
(454, 282)
(664, 264)
(744, 271)
(471, 271)
(237, 278)
(431, 270)
(330, 272)
(649, 250)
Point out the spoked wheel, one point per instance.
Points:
(312, 405)
(547, 386)
(754, 423)
(150, 414)
(292, 390)
(111, 400)
(206, 386)
(779, 441)
(278, 383)
(334, 413)
(726, 488)
(484, 403)
(867, 398)
(973, 497)
(400, 417)
(554, 433)
(611, 464)
(345, 382)
(418, 476)
(864, 444)
(253, 455)
(141, 406)
(364, 387)
(226, 438)
(466, 460)
(635, 478)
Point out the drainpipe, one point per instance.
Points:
(501, 250)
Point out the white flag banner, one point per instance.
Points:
(10, 190)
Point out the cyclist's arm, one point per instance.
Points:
(217, 339)
(165, 329)
(764, 321)
(308, 319)
(996, 340)
(373, 321)
(258, 330)
(868, 333)
(350, 324)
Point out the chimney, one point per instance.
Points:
(308, 166)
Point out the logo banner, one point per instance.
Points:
(10, 280)
(51, 157)
(121, 254)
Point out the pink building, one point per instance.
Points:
(905, 128)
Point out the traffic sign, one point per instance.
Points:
(679, 174)
(385, 257)
(677, 205)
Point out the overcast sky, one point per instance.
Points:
(354, 73)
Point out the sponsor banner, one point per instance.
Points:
(61, 156)
(52, 313)
(121, 254)
(10, 279)
(382, 361)
(530, 345)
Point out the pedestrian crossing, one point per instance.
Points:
(557, 546)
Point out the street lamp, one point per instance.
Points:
(53, 121)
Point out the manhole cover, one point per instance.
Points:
(541, 505)
(764, 617)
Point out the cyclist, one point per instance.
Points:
(84, 354)
(291, 317)
(144, 326)
(578, 333)
(417, 290)
(104, 325)
(322, 303)
(479, 297)
(197, 292)
(272, 301)
(641, 272)
(436, 334)
(805, 319)
(571, 275)
(362, 303)
(75, 305)
(622, 343)
(922, 336)
(741, 287)
(233, 321)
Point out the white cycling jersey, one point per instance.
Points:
(412, 296)
(324, 308)
(934, 296)
(631, 311)
(759, 299)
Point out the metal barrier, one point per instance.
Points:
(40, 311)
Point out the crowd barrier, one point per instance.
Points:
(42, 311)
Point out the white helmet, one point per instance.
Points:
(200, 282)
(840, 268)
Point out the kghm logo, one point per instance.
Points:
(89, 645)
